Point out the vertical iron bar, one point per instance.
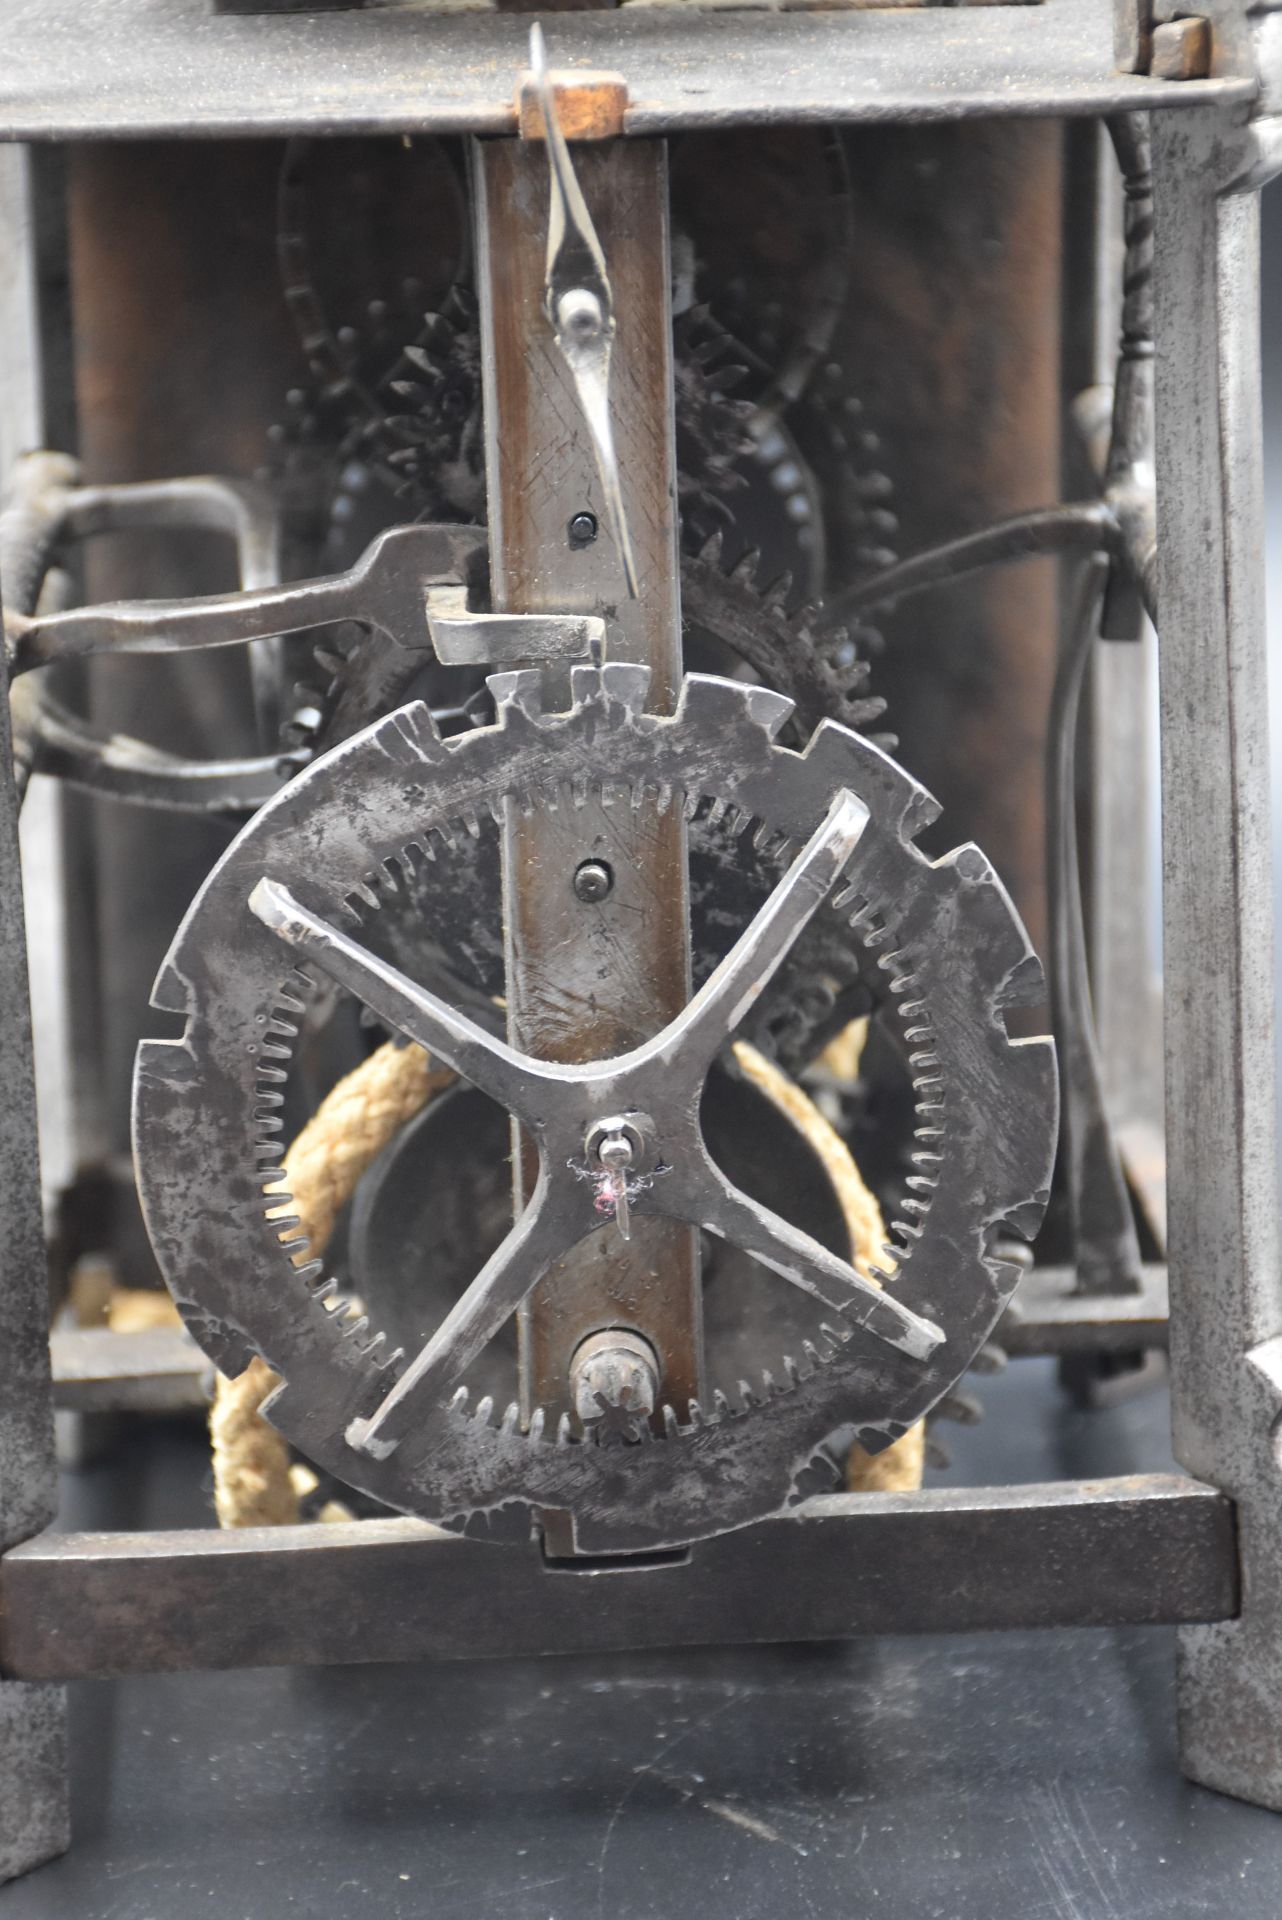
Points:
(34, 1814)
(1225, 1251)
(590, 978)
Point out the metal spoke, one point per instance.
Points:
(518, 1262)
(696, 1036)
(723, 1209)
(478, 1056)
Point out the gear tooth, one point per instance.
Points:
(860, 714)
(409, 736)
(776, 594)
(720, 1405)
(769, 1385)
(710, 551)
(1008, 1273)
(897, 802)
(484, 1408)
(671, 1425)
(708, 701)
(747, 1397)
(511, 1418)
(517, 696)
(937, 1454)
(791, 1372)
(990, 1359)
(356, 1329)
(564, 1431)
(744, 570)
(619, 686)
(728, 381)
(459, 1400)
(696, 1414)
(963, 1408)
(538, 1420)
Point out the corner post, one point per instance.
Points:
(1225, 1253)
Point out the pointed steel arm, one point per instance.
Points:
(580, 303)
(479, 1057)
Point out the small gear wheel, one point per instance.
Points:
(370, 858)
(358, 677)
(381, 431)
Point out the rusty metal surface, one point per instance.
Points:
(169, 67)
(1096, 1553)
(203, 1112)
(1221, 1074)
(28, 1485)
(1049, 1315)
(156, 1370)
(587, 979)
(35, 1818)
(33, 1777)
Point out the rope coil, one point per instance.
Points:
(253, 1485)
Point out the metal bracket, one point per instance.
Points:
(463, 639)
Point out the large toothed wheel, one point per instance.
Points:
(338, 880)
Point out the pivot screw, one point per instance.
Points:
(593, 881)
(582, 530)
(580, 316)
(614, 1382)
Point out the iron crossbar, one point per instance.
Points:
(1121, 1552)
(148, 68)
(162, 1370)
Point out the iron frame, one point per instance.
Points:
(1212, 1545)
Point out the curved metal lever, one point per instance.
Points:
(580, 303)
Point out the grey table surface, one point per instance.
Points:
(958, 1778)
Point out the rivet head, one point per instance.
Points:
(579, 314)
(593, 881)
